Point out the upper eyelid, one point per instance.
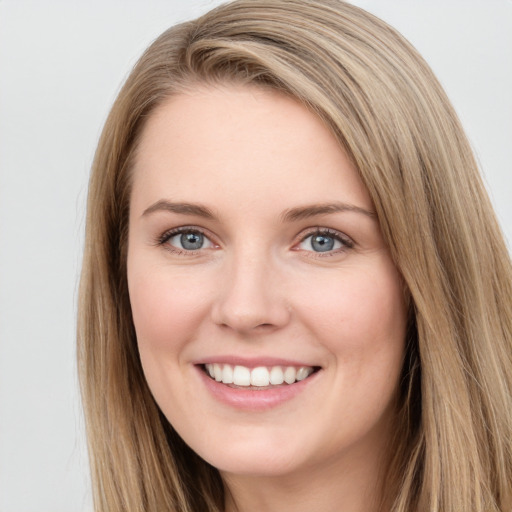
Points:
(163, 239)
(166, 235)
(347, 243)
(325, 231)
(303, 235)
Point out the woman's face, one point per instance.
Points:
(255, 255)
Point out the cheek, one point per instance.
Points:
(166, 308)
(360, 315)
(361, 319)
(167, 314)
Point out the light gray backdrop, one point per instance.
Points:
(61, 64)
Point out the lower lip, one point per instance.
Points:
(248, 399)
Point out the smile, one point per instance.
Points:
(257, 386)
(260, 377)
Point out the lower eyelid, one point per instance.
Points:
(169, 235)
(346, 243)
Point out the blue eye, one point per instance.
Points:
(187, 240)
(323, 241)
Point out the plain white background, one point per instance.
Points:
(61, 64)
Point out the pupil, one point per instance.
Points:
(191, 241)
(321, 243)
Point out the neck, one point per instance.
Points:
(334, 487)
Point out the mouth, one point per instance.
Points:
(258, 378)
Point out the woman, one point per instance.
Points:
(295, 293)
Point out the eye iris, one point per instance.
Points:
(322, 243)
(192, 241)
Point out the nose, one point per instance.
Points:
(252, 297)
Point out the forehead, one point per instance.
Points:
(241, 142)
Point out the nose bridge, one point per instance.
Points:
(250, 295)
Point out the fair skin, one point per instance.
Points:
(254, 244)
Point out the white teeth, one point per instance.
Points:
(227, 374)
(289, 375)
(303, 373)
(276, 375)
(260, 376)
(217, 372)
(241, 376)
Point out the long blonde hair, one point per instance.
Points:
(453, 448)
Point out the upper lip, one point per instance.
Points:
(253, 362)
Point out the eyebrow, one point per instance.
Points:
(183, 208)
(293, 214)
(306, 212)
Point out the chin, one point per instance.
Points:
(256, 457)
(256, 465)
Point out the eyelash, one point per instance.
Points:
(345, 241)
(165, 237)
